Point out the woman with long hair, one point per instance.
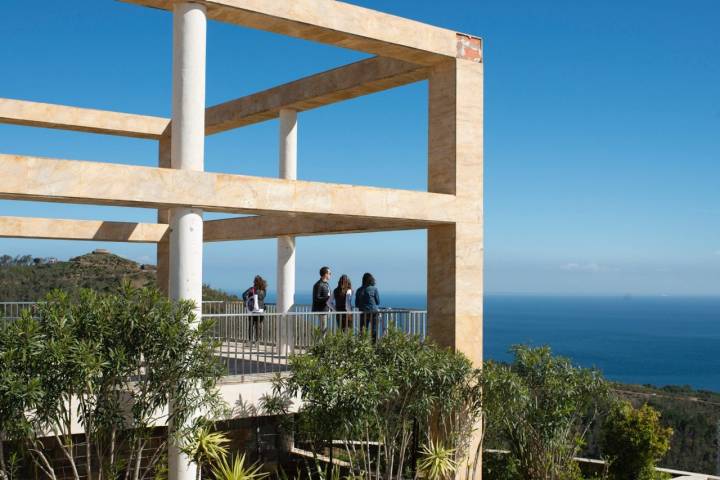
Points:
(254, 298)
(367, 300)
(342, 302)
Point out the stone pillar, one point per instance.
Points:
(455, 251)
(286, 244)
(188, 143)
(162, 252)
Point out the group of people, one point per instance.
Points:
(324, 299)
(367, 300)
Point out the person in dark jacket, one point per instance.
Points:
(367, 300)
(255, 304)
(321, 291)
(341, 301)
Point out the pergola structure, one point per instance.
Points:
(405, 51)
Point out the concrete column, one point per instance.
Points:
(455, 252)
(187, 153)
(286, 244)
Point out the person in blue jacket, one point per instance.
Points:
(367, 300)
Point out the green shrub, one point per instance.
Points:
(120, 358)
(633, 439)
(540, 408)
(399, 392)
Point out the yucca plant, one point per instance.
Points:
(436, 461)
(206, 447)
(222, 470)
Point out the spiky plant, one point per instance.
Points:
(437, 461)
(206, 447)
(222, 470)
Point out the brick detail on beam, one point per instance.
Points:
(469, 48)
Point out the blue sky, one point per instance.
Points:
(602, 136)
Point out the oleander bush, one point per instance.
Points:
(539, 408)
(387, 405)
(110, 362)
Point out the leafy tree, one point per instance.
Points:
(634, 440)
(20, 383)
(540, 407)
(363, 392)
(111, 363)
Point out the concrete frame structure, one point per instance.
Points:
(406, 51)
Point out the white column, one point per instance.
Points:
(286, 244)
(187, 153)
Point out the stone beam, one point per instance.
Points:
(272, 226)
(349, 81)
(337, 23)
(72, 181)
(47, 115)
(162, 249)
(239, 228)
(100, 231)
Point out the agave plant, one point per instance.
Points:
(222, 470)
(437, 461)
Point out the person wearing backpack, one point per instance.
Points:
(367, 300)
(254, 298)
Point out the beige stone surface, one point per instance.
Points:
(455, 166)
(96, 230)
(22, 112)
(271, 226)
(342, 83)
(71, 181)
(240, 228)
(335, 23)
(162, 249)
(455, 252)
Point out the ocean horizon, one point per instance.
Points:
(656, 340)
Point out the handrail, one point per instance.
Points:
(596, 461)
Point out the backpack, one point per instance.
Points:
(249, 298)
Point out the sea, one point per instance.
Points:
(660, 340)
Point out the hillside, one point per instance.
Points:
(694, 416)
(29, 279)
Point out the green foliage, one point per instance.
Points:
(120, 358)
(692, 414)
(23, 280)
(437, 462)
(354, 389)
(634, 440)
(236, 470)
(540, 408)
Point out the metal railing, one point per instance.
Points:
(11, 310)
(212, 307)
(674, 474)
(252, 344)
